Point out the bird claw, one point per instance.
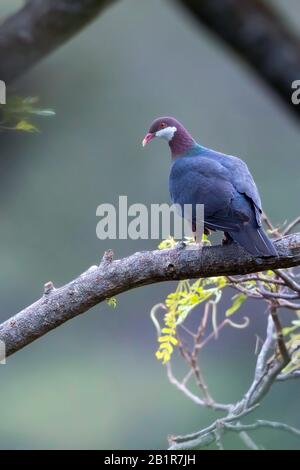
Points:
(227, 240)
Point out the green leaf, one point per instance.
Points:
(205, 240)
(42, 112)
(26, 126)
(238, 300)
(167, 243)
(112, 302)
(168, 339)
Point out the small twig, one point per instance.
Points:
(244, 290)
(263, 424)
(289, 281)
(280, 340)
(255, 277)
(207, 435)
(218, 434)
(267, 347)
(221, 325)
(287, 304)
(292, 375)
(274, 230)
(260, 383)
(278, 295)
(290, 227)
(248, 441)
(193, 357)
(184, 389)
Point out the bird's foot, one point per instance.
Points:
(227, 240)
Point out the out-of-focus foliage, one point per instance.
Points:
(188, 295)
(112, 302)
(18, 112)
(178, 306)
(238, 300)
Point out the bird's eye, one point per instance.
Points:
(163, 125)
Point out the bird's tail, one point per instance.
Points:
(255, 241)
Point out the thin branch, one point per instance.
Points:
(268, 223)
(218, 436)
(267, 347)
(291, 226)
(114, 277)
(214, 432)
(248, 441)
(278, 295)
(207, 435)
(290, 376)
(255, 277)
(197, 400)
(266, 372)
(280, 340)
(192, 358)
(287, 304)
(40, 27)
(288, 280)
(263, 424)
(248, 292)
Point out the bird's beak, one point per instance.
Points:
(148, 137)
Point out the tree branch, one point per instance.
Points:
(40, 27)
(254, 30)
(266, 372)
(111, 278)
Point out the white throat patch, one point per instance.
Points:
(167, 133)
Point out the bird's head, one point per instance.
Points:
(163, 127)
(171, 130)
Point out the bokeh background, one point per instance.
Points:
(94, 383)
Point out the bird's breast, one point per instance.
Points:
(185, 186)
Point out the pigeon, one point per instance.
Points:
(222, 183)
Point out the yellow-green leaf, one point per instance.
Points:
(112, 302)
(167, 347)
(168, 339)
(168, 243)
(26, 126)
(238, 300)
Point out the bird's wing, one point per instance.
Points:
(244, 183)
(241, 178)
(202, 180)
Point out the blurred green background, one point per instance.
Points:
(94, 383)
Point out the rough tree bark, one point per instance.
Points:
(111, 278)
(260, 36)
(40, 27)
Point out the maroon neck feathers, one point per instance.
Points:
(181, 143)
